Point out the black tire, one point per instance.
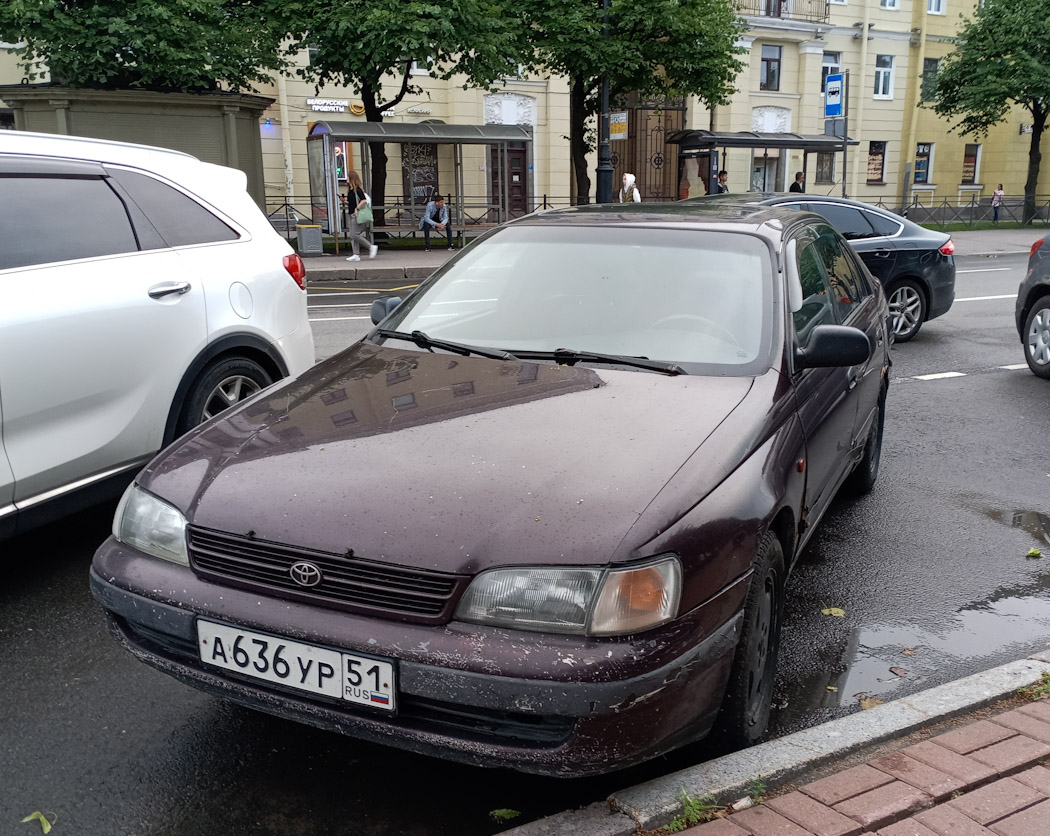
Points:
(220, 386)
(749, 695)
(863, 477)
(1036, 337)
(907, 309)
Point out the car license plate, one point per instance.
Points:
(305, 667)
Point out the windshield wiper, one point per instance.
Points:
(570, 357)
(423, 341)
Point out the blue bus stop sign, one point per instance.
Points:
(833, 96)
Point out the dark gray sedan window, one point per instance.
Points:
(850, 221)
(883, 225)
(179, 219)
(50, 219)
(817, 308)
(680, 295)
(848, 287)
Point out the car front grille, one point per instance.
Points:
(348, 583)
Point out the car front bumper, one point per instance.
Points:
(554, 705)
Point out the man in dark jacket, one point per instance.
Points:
(797, 185)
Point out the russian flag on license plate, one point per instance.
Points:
(382, 699)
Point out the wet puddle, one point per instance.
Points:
(882, 661)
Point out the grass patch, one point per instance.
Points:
(694, 811)
(1037, 690)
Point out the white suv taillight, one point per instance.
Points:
(948, 248)
(296, 269)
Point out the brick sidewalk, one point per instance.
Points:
(983, 779)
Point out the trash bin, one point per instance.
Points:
(309, 239)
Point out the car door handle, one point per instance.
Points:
(881, 253)
(159, 291)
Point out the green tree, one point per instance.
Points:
(167, 45)
(656, 48)
(1002, 58)
(361, 43)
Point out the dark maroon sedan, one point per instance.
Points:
(542, 516)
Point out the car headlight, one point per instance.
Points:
(151, 526)
(594, 602)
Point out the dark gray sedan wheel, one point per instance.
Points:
(749, 695)
(907, 309)
(863, 477)
(221, 386)
(1037, 338)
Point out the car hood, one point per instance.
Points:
(445, 462)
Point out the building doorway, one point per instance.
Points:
(513, 170)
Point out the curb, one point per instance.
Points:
(653, 804)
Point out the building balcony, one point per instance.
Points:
(811, 10)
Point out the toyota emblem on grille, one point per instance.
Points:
(305, 574)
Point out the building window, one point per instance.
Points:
(837, 2)
(923, 162)
(832, 66)
(883, 76)
(825, 167)
(403, 402)
(876, 162)
(971, 165)
(770, 68)
(888, 4)
(935, 7)
(930, 67)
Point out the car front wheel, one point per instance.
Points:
(907, 309)
(220, 386)
(749, 695)
(863, 477)
(1037, 338)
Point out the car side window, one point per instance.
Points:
(881, 224)
(49, 219)
(179, 219)
(848, 220)
(816, 306)
(848, 286)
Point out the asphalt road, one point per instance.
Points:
(932, 562)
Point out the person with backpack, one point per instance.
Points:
(629, 192)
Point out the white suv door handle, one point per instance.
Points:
(159, 291)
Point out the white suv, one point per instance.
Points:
(141, 292)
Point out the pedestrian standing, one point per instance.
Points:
(629, 192)
(435, 217)
(359, 203)
(798, 186)
(997, 201)
(722, 186)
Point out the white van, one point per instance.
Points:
(141, 292)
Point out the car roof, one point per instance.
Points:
(749, 217)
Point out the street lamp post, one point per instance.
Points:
(605, 169)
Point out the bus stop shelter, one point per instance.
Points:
(693, 144)
(495, 199)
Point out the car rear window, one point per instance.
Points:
(882, 225)
(50, 219)
(687, 296)
(179, 219)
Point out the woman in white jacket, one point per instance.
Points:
(629, 193)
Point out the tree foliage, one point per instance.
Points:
(1002, 59)
(656, 48)
(362, 43)
(169, 45)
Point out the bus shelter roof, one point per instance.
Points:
(701, 140)
(432, 132)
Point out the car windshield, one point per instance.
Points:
(681, 296)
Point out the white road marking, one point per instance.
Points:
(986, 298)
(347, 305)
(939, 376)
(987, 270)
(1015, 367)
(336, 318)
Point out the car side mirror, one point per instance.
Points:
(382, 308)
(833, 345)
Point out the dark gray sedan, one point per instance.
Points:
(915, 265)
